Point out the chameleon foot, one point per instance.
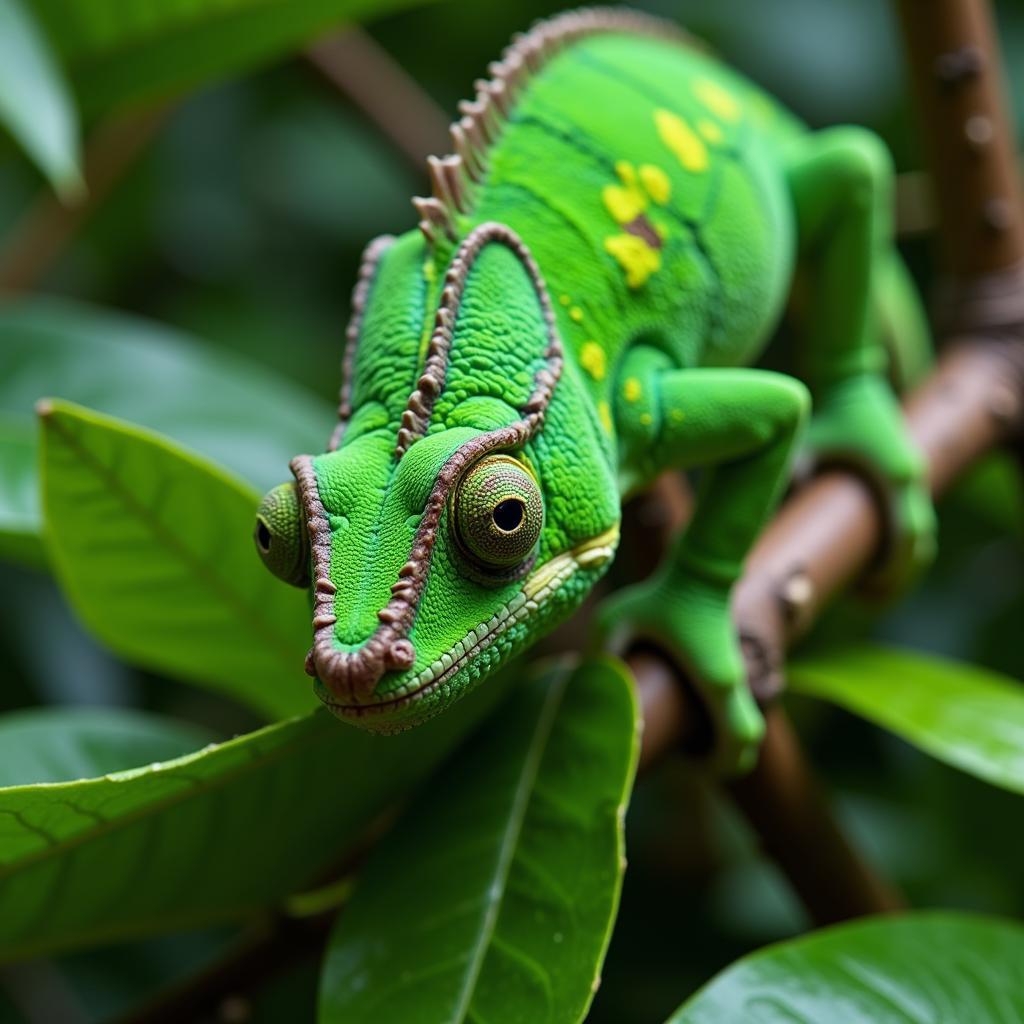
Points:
(689, 619)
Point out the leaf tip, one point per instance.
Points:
(44, 407)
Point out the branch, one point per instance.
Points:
(829, 532)
(389, 97)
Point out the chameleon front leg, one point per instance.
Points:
(841, 184)
(741, 427)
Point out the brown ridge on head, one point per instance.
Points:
(353, 675)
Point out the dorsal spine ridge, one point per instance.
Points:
(454, 178)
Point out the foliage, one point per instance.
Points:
(472, 868)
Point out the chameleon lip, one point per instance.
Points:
(537, 587)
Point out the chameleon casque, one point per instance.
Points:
(606, 253)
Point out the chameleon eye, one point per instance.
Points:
(497, 512)
(280, 537)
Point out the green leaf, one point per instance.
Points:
(61, 744)
(20, 539)
(35, 105)
(494, 897)
(921, 967)
(121, 51)
(968, 717)
(210, 837)
(222, 406)
(153, 547)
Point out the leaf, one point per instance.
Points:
(222, 406)
(35, 104)
(153, 547)
(121, 51)
(61, 744)
(19, 503)
(494, 897)
(968, 717)
(919, 968)
(210, 837)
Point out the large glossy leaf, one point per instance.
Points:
(209, 837)
(35, 105)
(153, 547)
(966, 716)
(62, 744)
(494, 897)
(119, 51)
(222, 406)
(917, 969)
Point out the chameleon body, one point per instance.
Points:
(603, 258)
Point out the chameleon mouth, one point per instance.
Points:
(538, 586)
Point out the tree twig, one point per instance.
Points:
(384, 91)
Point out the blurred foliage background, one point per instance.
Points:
(242, 223)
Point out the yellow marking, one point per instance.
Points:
(624, 169)
(646, 419)
(635, 256)
(623, 203)
(592, 359)
(682, 140)
(588, 554)
(656, 182)
(677, 415)
(718, 100)
(564, 300)
(576, 314)
(632, 390)
(711, 130)
(605, 415)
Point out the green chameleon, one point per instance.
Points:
(604, 255)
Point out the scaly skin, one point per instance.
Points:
(585, 299)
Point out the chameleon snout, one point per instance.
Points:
(352, 676)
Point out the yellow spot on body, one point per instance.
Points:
(646, 419)
(710, 130)
(592, 359)
(656, 182)
(624, 169)
(564, 300)
(576, 314)
(635, 256)
(605, 415)
(682, 140)
(623, 203)
(718, 100)
(632, 389)
(677, 415)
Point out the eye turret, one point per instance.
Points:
(497, 513)
(281, 536)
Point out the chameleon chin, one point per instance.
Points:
(600, 264)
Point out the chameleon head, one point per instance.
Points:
(432, 562)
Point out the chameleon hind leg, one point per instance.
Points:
(741, 427)
(840, 180)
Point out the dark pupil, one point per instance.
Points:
(263, 535)
(508, 514)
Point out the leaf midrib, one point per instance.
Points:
(203, 786)
(509, 842)
(248, 615)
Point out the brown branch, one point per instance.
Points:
(44, 230)
(389, 97)
(829, 532)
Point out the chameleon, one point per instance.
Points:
(604, 256)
